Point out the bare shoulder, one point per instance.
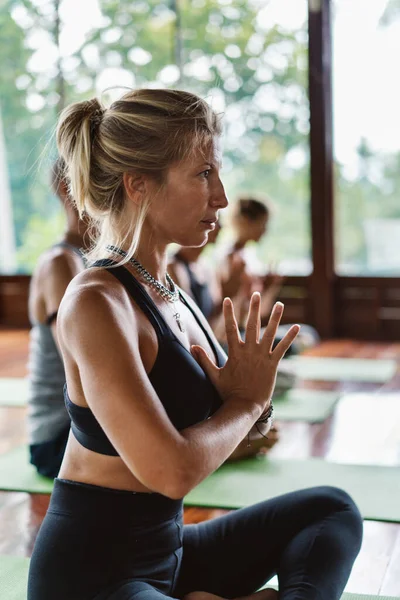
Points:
(56, 261)
(94, 301)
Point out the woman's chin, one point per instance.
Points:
(196, 240)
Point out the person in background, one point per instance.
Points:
(48, 422)
(250, 220)
(195, 277)
(237, 277)
(202, 282)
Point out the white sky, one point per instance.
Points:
(366, 79)
(366, 87)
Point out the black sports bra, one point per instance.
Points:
(185, 391)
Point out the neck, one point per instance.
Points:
(77, 239)
(154, 259)
(76, 232)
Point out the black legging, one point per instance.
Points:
(99, 544)
(47, 456)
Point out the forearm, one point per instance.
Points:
(209, 443)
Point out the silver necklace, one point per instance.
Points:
(170, 295)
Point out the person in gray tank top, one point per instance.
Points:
(48, 421)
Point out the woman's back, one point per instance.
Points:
(47, 416)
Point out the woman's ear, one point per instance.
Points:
(135, 186)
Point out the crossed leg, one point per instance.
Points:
(309, 538)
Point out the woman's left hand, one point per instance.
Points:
(258, 444)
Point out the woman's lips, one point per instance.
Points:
(208, 224)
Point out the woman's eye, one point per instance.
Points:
(205, 174)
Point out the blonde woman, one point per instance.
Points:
(154, 403)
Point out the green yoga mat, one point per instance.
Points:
(343, 369)
(375, 489)
(345, 596)
(312, 406)
(13, 577)
(367, 597)
(13, 391)
(17, 475)
(14, 581)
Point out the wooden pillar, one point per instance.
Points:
(321, 161)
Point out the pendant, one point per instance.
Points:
(177, 318)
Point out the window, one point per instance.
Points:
(366, 43)
(248, 57)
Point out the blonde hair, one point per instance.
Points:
(144, 132)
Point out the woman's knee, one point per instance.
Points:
(338, 497)
(343, 505)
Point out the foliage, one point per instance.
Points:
(391, 13)
(253, 71)
(39, 235)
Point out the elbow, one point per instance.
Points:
(174, 492)
(172, 475)
(180, 480)
(177, 486)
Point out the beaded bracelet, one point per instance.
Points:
(266, 417)
(262, 420)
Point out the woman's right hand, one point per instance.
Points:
(249, 374)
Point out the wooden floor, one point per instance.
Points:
(362, 430)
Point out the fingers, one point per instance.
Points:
(285, 343)
(254, 319)
(205, 361)
(231, 327)
(272, 327)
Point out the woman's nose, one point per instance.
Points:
(219, 197)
